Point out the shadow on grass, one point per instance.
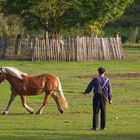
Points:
(17, 114)
(62, 136)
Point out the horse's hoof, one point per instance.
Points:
(61, 111)
(5, 113)
(38, 113)
(31, 112)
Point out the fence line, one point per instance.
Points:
(70, 49)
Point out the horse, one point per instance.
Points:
(24, 85)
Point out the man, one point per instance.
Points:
(102, 90)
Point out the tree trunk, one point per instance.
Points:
(17, 43)
(5, 44)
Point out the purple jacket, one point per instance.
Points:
(94, 84)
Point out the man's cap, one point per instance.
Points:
(101, 70)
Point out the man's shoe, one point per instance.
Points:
(95, 129)
(103, 129)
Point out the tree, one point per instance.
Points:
(55, 15)
(40, 14)
(93, 15)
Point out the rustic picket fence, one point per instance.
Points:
(68, 49)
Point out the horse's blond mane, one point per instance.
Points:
(15, 72)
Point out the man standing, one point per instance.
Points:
(102, 90)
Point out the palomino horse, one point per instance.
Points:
(24, 85)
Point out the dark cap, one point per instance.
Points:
(101, 70)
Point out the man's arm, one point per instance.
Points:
(89, 87)
(110, 93)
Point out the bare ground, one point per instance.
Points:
(111, 75)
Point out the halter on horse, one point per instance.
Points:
(24, 85)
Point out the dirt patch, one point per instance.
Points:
(124, 75)
(135, 101)
(131, 101)
(111, 75)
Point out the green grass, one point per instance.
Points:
(75, 123)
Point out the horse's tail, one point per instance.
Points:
(61, 96)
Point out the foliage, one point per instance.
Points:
(130, 17)
(127, 25)
(93, 15)
(9, 25)
(54, 15)
(125, 32)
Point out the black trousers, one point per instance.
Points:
(99, 105)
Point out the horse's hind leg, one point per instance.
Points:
(9, 104)
(23, 100)
(57, 103)
(45, 102)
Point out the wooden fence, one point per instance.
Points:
(70, 49)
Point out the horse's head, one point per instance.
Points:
(2, 75)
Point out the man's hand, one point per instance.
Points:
(110, 101)
(86, 94)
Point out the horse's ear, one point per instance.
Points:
(1, 70)
(7, 70)
(0, 67)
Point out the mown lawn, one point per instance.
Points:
(75, 123)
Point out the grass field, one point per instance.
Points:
(75, 123)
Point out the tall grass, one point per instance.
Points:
(129, 35)
(133, 35)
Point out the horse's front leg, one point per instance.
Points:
(23, 101)
(9, 104)
(44, 103)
